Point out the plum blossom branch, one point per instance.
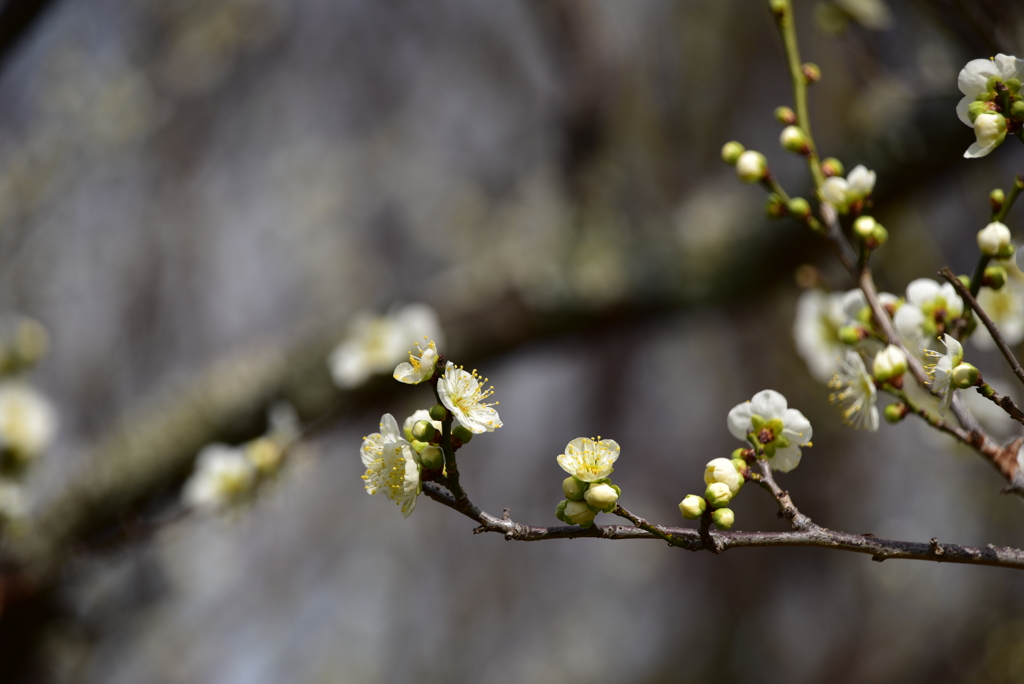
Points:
(688, 538)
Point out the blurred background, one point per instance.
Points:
(197, 196)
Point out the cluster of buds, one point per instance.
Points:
(588, 490)
(724, 478)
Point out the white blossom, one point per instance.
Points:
(751, 166)
(819, 316)
(589, 459)
(861, 182)
(778, 428)
(391, 466)
(941, 371)
(929, 305)
(463, 394)
(223, 476)
(835, 191)
(28, 421)
(1005, 307)
(853, 391)
(989, 127)
(375, 344)
(722, 470)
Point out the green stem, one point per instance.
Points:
(979, 274)
(787, 29)
(1018, 185)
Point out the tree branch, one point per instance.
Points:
(690, 539)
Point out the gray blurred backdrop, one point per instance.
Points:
(196, 195)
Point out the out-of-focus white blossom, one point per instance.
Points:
(819, 316)
(28, 421)
(853, 391)
(223, 476)
(835, 190)
(930, 307)
(889, 363)
(1005, 307)
(861, 182)
(376, 344)
(419, 367)
(751, 166)
(994, 239)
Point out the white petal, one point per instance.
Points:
(922, 291)
(389, 429)
(769, 404)
(739, 420)
(961, 111)
(977, 150)
(973, 78)
(797, 428)
(785, 459)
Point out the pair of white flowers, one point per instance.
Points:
(227, 475)
(978, 108)
(376, 343)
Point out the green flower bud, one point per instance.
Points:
(731, 151)
(976, 108)
(1016, 110)
(863, 226)
(602, 496)
(851, 334)
(779, 7)
(578, 513)
(993, 83)
(573, 488)
(438, 412)
(995, 277)
(1013, 85)
(738, 453)
(894, 413)
(423, 430)
(1006, 251)
(811, 72)
(799, 207)
(832, 167)
(880, 235)
(793, 139)
(718, 494)
(723, 518)
(560, 511)
(418, 446)
(462, 434)
(774, 207)
(997, 198)
(740, 465)
(692, 507)
(432, 458)
(965, 375)
(751, 166)
(785, 116)
(985, 96)
(889, 363)
(965, 280)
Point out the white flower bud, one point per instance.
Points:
(965, 375)
(578, 513)
(889, 363)
(993, 238)
(572, 489)
(861, 182)
(723, 518)
(751, 166)
(718, 494)
(834, 190)
(692, 507)
(601, 496)
(723, 470)
(990, 130)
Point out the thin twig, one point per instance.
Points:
(787, 509)
(689, 538)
